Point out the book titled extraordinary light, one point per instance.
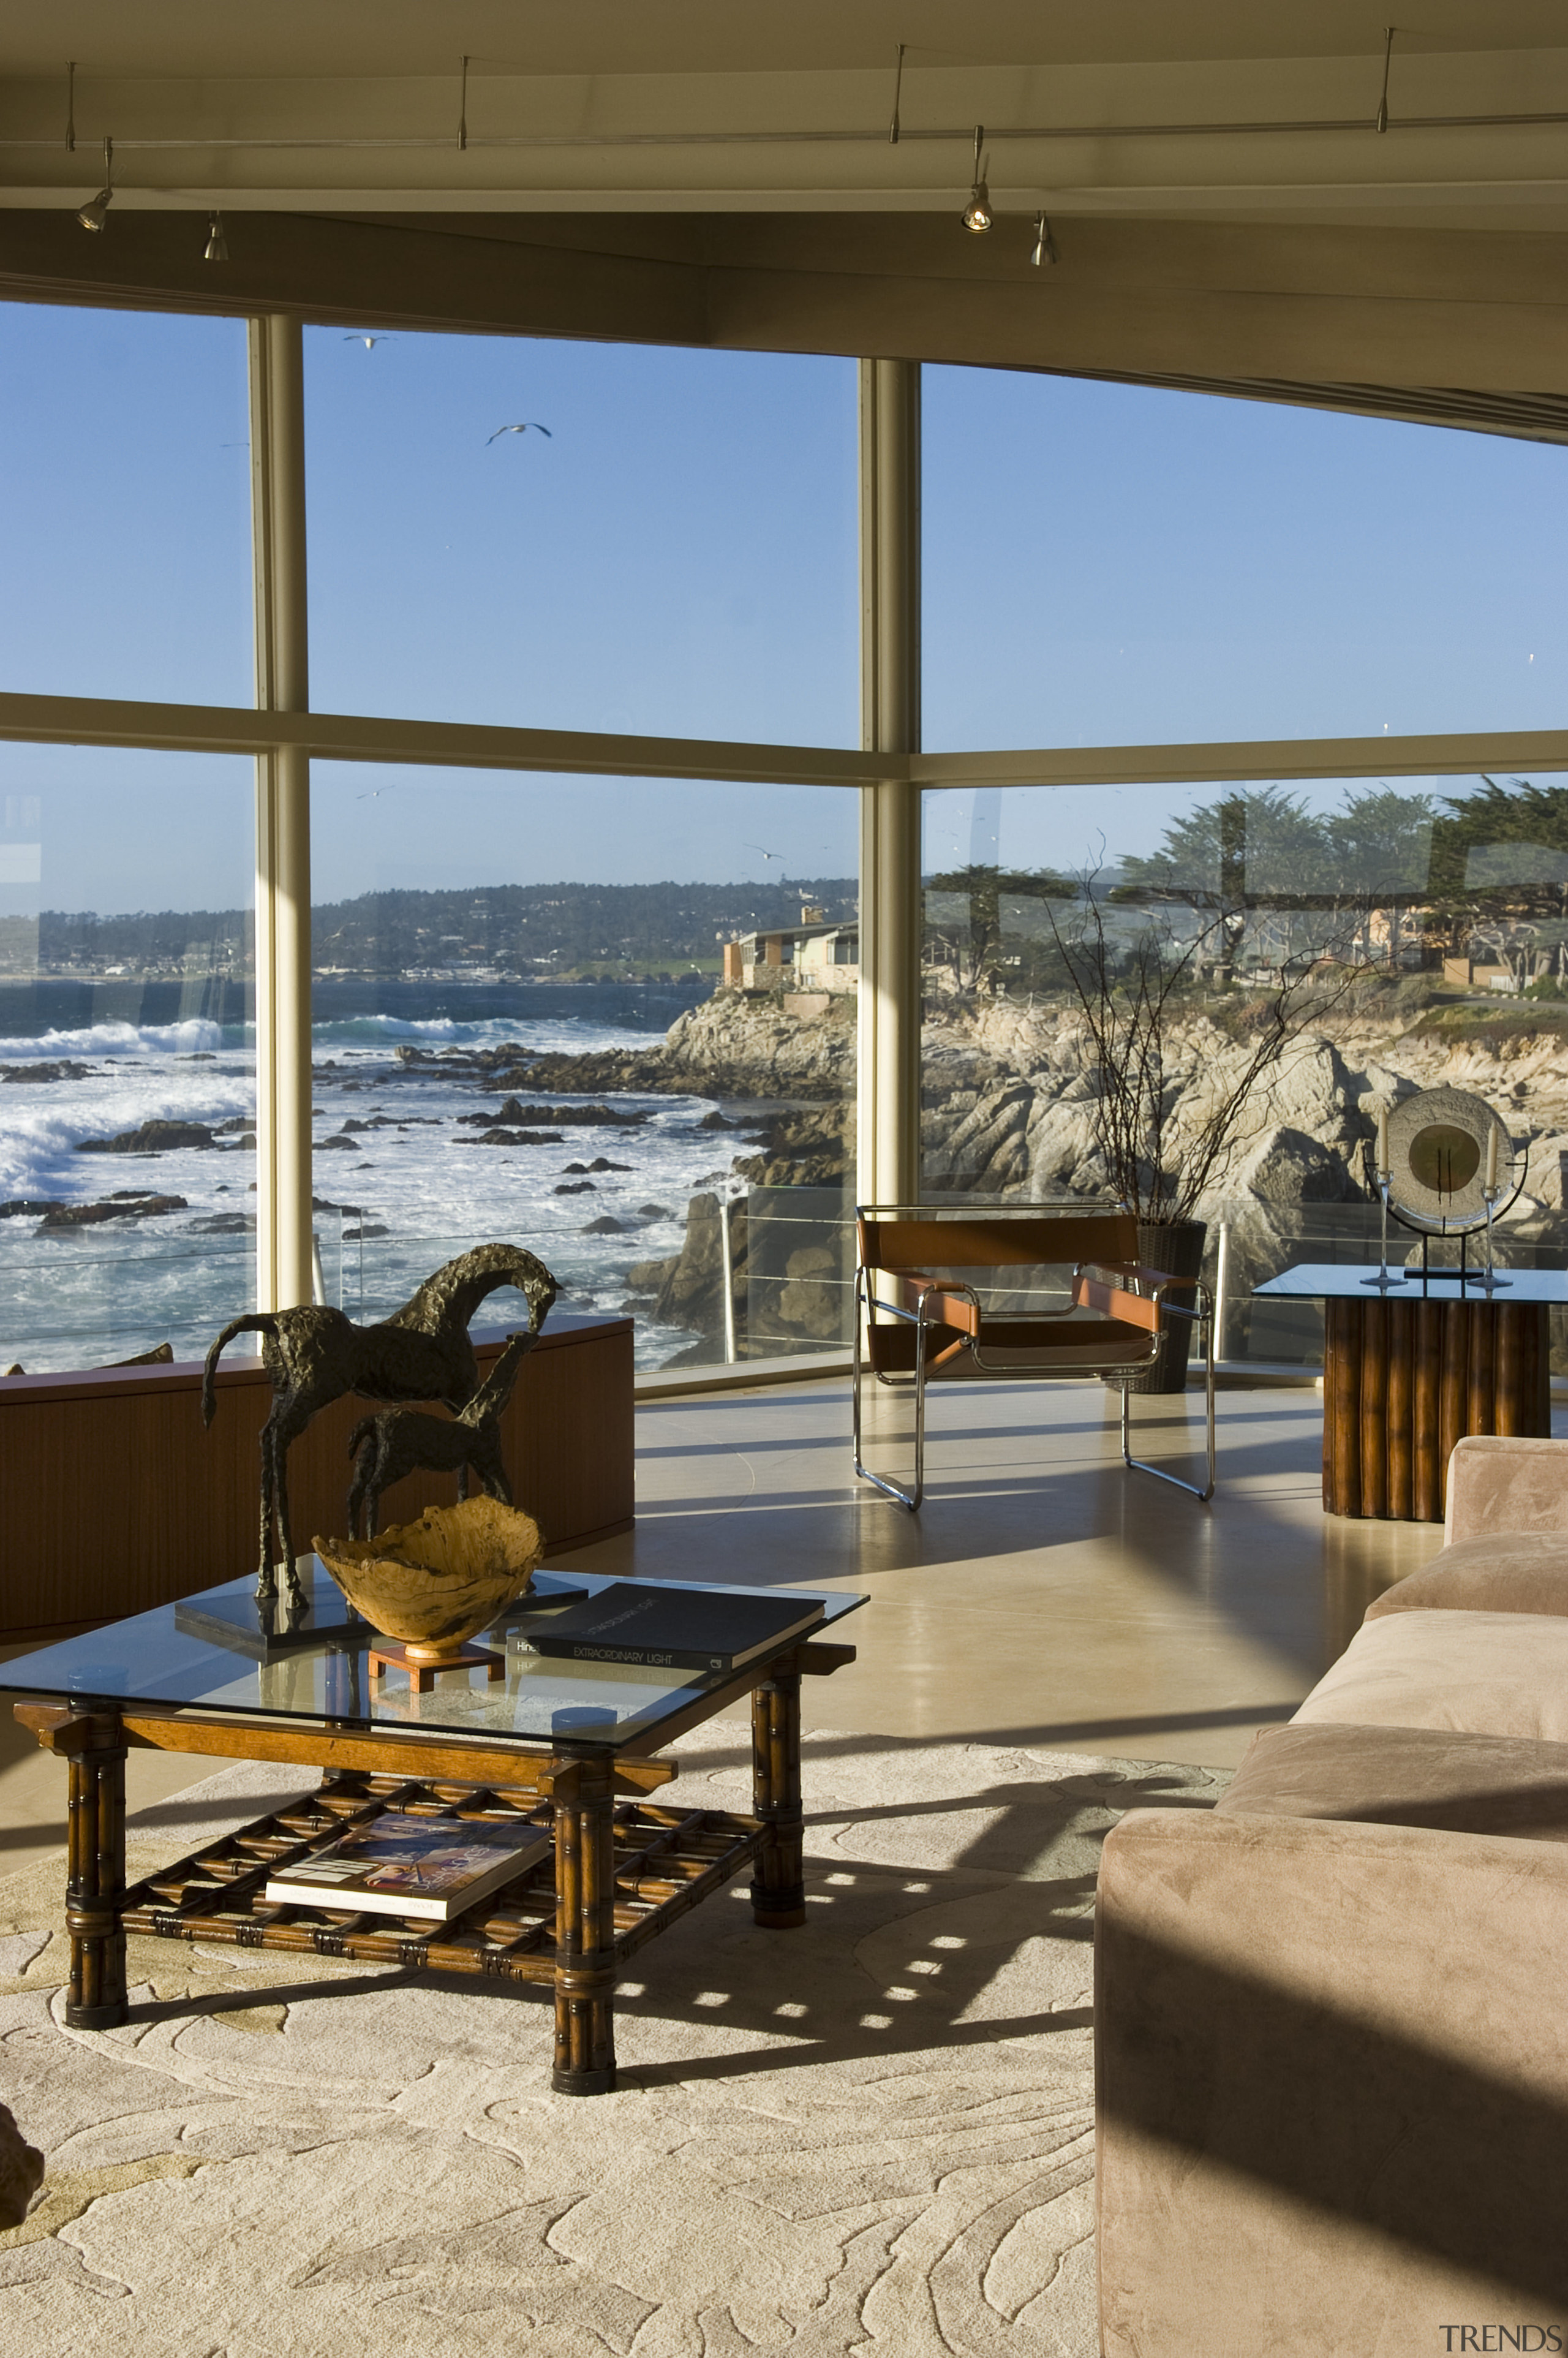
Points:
(676, 1629)
(400, 1865)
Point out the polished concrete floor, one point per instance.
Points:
(1042, 1595)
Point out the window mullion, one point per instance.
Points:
(284, 1232)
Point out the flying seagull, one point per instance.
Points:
(529, 424)
(767, 855)
(369, 342)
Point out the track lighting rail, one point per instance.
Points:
(1284, 126)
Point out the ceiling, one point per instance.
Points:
(1104, 106)
(675, 37)
(712, 172)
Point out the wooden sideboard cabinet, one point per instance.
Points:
(114, 1498)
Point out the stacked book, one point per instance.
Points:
(403, 1865)
(674, 1629)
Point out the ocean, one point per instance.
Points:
(404, 1193)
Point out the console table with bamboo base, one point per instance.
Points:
(1411, 1367)
(626, 1861)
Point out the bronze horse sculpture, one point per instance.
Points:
(314, 1354)
(397, 1442)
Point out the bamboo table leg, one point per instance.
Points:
(1406, 1376)
(585, 1929)
(95, 1877)
(778, 1892)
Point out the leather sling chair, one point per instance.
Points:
(928, 1319)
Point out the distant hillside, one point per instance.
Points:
(521, 929)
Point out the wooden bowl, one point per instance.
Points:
(435, 1583)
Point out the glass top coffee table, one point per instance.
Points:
(547, 1744)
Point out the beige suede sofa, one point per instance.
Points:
(1332, 2014)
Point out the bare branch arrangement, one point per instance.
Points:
(1159, 1170)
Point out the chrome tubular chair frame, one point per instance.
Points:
(1203, 1318)
(1129, 1287)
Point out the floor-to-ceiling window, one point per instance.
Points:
(589, 966)
(1156, 570)
(607, 1011)
(127, 1210)
(585, 1013)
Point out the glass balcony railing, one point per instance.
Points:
(1250, 1241)
(755, 1274)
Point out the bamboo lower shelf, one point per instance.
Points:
(665, 1861)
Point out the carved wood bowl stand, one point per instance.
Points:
(422, 1662)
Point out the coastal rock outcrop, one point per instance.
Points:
(686, 1289)
(131, 1204)
(735, 1044)
(150, 1137)
(61, 1070)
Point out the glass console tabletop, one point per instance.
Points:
(1322, 1280)
(153, 1662)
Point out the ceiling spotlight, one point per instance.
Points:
(976, 214)
(218, 244)
(1045, 243)
(95, 213)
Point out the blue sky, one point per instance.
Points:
(1117, 564)
(1102, 564)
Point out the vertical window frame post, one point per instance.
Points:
(284, 1228)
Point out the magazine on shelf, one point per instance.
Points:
(401, 1865)
(676, 1629)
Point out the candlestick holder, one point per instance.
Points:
(1492, 1195)
(1383, 1281)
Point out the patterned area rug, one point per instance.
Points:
(870, 2135)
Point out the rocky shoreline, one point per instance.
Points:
(734, 1045)
(1007, 1112)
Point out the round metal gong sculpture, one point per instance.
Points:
(1439, 1144)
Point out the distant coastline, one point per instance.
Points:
(28, 1010)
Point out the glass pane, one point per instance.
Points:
(127, 1056)
(1390, 939)
(125, 485)
(166, 1656)
(518, 1037)
(677, 557)
(1116, 564)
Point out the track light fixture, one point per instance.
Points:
(217, 243)
(96, 211)
(1389, 32)
(976, 214)
(1045, 243)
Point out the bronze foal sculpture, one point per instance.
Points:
(314, 1355)
(400, 1441)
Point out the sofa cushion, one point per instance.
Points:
(1486, 1673)
(1506, 1483)
(1332, 2086)
(1514, 1572)
(1406, 1777)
